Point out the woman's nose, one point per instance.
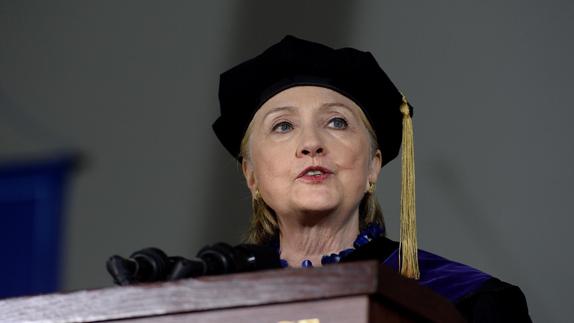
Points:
(311, 145)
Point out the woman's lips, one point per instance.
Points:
(314, 174)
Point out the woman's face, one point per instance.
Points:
(309, 151)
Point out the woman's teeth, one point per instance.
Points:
(314, 172)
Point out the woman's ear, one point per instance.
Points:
(376, 163)
(249, 175)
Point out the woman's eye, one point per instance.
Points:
(283, 126)
(338, 123)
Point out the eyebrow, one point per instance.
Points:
(323, 106)
(277, 110)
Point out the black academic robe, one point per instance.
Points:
(478, 296)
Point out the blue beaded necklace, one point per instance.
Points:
(370, 233)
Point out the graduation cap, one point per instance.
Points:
(353, 73)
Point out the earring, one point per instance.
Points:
(257, 195)
(372, 187)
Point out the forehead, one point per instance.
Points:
(307, 97)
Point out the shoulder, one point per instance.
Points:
(495, 301)
(478, 296)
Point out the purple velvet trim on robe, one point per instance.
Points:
(450, 279)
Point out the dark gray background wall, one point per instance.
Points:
(132, 85)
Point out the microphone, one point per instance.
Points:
(146, 265)
(152, 264)
(221, 258)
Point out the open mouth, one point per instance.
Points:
(315, 174)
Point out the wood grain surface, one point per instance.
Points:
(352, 309)
(207, 293)
(326, 291)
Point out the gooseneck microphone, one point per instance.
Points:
(146, 265)
(153, 265)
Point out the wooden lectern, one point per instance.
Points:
(351, 292)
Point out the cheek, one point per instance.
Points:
(271, 162)
(353, 155)
(353, 162)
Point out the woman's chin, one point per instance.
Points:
(316, 203)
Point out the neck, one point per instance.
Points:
(300, 241)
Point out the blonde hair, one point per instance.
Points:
(263, 225)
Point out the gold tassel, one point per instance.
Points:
(408, 255)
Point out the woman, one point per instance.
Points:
(312, 126)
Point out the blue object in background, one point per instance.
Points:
(32, 199)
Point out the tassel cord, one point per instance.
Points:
(408, 249)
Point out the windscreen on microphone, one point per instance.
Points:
(146, 265)
(152, 264)
(256, 257)
(221, 258)
(121, 269)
